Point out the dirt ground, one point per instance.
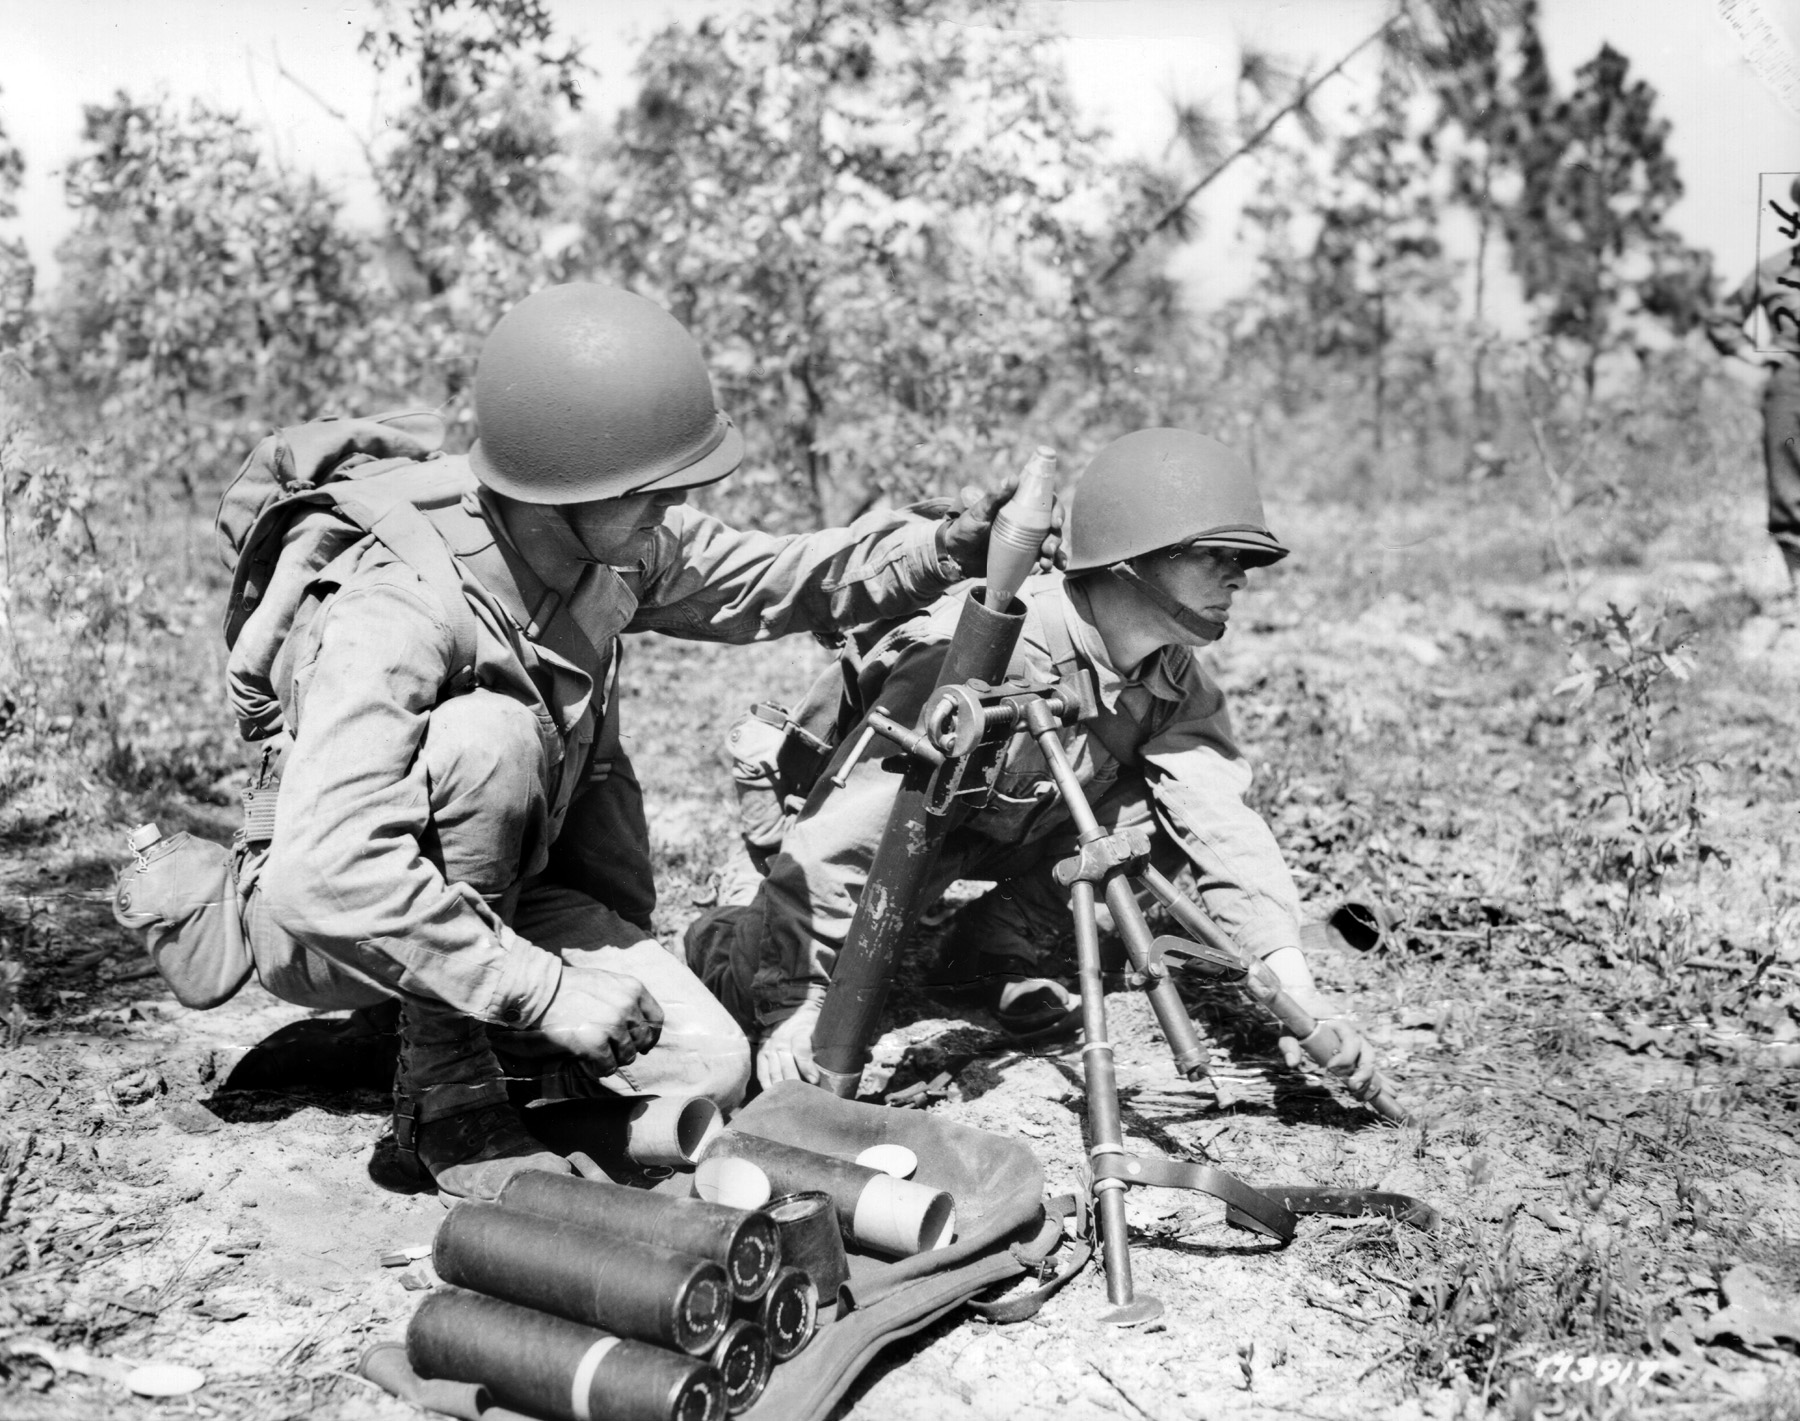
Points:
(1611, 1140)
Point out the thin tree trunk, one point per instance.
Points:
(1484, 220)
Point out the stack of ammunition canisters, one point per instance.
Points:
(576, 1300)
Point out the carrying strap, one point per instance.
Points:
(1245, 1206)
(1032, 1257)
(536, 608)
(406, 532)
(1117, 730)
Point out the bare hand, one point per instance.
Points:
(965, 538)
(603, 1017)
(786, 1053)
(1353, 1062)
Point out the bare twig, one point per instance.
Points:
(1559, 504)
(1134, 243)
(1382, 1361)
(1113, 1382)
(343, 118)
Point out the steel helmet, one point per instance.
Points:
(1160, 488)
(588, 392)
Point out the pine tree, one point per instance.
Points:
(1587, 232)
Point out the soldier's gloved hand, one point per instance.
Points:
(603, 1017)
(964, 539)
(1353, 1062)
(786, 1053)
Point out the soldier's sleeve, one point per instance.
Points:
(713, 583)
(346, 875)
(1198, 779)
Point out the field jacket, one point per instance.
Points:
(1169, 720)
(370, 655)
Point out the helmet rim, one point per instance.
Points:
(717, 457)
(1161, 488)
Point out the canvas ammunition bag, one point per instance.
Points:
(1006, 1229)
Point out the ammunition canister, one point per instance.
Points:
(743, 1361)
(744, 1243)
(788, 1313)
(634, 1289)
(554, 1368)
(811, 1239)
(899, 1217)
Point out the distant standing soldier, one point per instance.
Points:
(1774, 287)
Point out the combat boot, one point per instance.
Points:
(1025, 1005)
(453, 1125)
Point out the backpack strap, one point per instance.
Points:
(536, 608)
(399, 525)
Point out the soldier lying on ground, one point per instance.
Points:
(1162, 531)
(479, 851)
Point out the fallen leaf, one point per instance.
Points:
(192, 1118)
(1552, 1217)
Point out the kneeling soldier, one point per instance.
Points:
(1161, 534)
(468, 837)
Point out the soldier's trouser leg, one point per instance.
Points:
(1025, 917)
(1781, 458)
(701, 1050)
(613, 814)
(481, 753)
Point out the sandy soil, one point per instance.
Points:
(1616, 1168)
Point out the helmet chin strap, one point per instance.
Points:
(1201, 629)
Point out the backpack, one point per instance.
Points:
(273, 549)
(305, 495)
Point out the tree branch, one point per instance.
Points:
(313, 94)
(1135, 243)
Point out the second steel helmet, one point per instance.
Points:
(588, 392)
(1159, 488)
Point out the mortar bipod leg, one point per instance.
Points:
(1105, 1134)
(1109, 857)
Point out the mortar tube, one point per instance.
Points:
(632, 1289)
(553, 1368)
(742, 1242)
(891, 900)
(899, 1217)
(788, 1313)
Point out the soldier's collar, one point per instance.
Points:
(1160, 673)
(540, 535)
